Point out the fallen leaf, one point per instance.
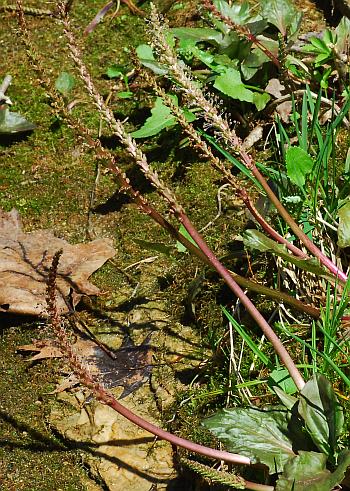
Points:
(25, 260)
(129, 366)
(275, 88)
(284, 110)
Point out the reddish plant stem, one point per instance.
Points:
(236, 289)
(267, 228)
(108, 399)
(290, 221)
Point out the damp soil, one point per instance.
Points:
(48, 176)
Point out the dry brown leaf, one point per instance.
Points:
(275, 88)
(284, 110)
(44, 348)
(25, 259)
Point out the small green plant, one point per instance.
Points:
(298, 442)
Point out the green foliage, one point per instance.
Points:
(12, 123)
(283, 15)
(344, 225)
(254, 239)
(308, 472)
(261, 435)
(64, 83)
(285, 440)
(161, 117)
(298, 164)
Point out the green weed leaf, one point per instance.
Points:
(308, 472)
(344, 225)
(64, 83)
(115, 71)
(230, 83)
(281, 378)
(147, 59)
(239, 14)
(160, 118)
(155, 246)
(198, 34)
(299, 165)
(13, 123)
(322, 413)
(257, 434)
(282, 14)
(260, 100)
(254, 239)
(342, 33)
(180, 247)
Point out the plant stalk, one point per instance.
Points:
(236, 289)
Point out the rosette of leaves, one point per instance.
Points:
(298, 441)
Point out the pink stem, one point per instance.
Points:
(106, 398)
(236, 289)
(290, 221)
(268, 229)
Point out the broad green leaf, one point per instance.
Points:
(180, 247)
(282, 14)
(12, 123)
(323, 416)
(147, 59)
(198, 34)
(344, 225)
(238, 13)
(281, 378)
(260, 100)
(308, 472)
(145, 52)
(251, 64)
(230, 83)
(254, 239)
(287, 400)
(257, 434)
(115, 71)
(64, 83)
(124, 94)
(161, 117)
(299, 165)
(342, 32)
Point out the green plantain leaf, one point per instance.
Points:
(13, 123)
(344, 225)
(308, 472)
(282, 14)
(64, 83)
(299, 165)
(198, 34)
(280, 377)
(257, 434)
(254, 239)
(323, 416)
(230, 83)
(179, 246)
(161, 117)
(147, 59)
(155, 246)
(238, 13)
